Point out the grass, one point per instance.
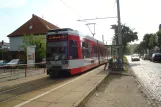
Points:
(125, 66)
(125, 60)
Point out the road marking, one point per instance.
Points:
(34, 98)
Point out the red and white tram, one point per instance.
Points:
(70, 52)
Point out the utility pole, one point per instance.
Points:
(103, 38)
(119, 32)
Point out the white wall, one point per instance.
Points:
(16, 43)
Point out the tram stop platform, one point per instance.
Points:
(73, 93)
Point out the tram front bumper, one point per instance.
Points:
(57, 71)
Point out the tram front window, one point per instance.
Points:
(56, 51)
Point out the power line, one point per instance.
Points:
(84, 20)
(71, 9)
(96, 18)
(80, 17)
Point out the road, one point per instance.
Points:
(149, 74)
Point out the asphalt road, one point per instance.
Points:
(149, 74)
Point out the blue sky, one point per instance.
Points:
(143, 15)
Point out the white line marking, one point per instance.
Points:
(25, 102)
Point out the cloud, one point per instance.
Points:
(12, 3)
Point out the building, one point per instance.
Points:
(4, 45)
(35, 26)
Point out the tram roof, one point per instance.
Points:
(73, 32)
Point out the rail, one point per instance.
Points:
(12, 72)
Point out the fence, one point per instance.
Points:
(8, 73)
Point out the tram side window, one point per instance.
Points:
(86, 50)
(94, 51)
(73, 50)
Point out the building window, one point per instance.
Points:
(30, 27)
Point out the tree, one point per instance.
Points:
(146, 40)
(127, 50)
(158, 38)
(128, 35)
(39, 42)
(152, 41)
(140, 48)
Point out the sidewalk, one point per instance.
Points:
(119, 91)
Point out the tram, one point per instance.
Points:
(70, 52)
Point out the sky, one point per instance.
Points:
(141, 15)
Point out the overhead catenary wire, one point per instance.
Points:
(83, 19)
(96, 18)
(71, 9)
(77, 15)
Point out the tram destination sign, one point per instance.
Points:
(57, 37)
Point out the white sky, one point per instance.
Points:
(143, 15)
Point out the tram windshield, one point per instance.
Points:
(57, 51)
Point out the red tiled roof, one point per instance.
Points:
(35, 25)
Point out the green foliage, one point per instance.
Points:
(149, 42)
(146, 40)
(125, 59)
(29, 40)
(158, 38)
(127, 50)
(128, 35)
(152, 41)
(140, 48)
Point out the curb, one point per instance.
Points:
(119, 73)
(84, 99)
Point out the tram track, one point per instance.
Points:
(9, 93)
(43, 84)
